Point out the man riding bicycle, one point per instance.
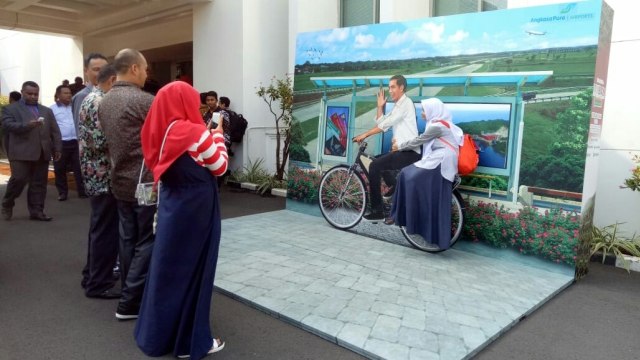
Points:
(402, 119)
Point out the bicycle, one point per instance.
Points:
(343, 198)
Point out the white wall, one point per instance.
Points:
(254, 50)
(45, 59)
(621, 124)
(404, 10)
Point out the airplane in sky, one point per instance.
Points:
(533, 32)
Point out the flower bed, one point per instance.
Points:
(302, 185)
(552, 235)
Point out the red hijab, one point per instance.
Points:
(179, 102)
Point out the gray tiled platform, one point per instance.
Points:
(376, 298)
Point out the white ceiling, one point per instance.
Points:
(90, 17)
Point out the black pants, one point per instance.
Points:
(391, 161)
(136, 244)
(102, 249)
(33, 173)
(70, 159)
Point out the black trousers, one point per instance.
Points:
(70, 159)
(102, 247)
(391, 161)
(33, 173)
(136, 244)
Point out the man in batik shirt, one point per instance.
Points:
(102, 251)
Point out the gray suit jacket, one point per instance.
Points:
(25, 143)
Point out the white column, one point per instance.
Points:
(236, 46)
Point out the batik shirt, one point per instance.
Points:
(94, 153)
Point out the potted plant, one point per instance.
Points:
(633, 182)
(611, 248)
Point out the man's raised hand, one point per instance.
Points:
(382, 98)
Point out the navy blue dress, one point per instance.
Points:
(422, 203)
(174, 315)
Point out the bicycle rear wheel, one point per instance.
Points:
(342, 197)
(457, 219)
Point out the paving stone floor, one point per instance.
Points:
(374, 297)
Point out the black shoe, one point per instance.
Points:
(126, 312)
(40, 217)
(7, 213)
(107, 294)
(373, 215)
(62, 197)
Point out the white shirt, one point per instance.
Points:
(64, 118)
(402, 119)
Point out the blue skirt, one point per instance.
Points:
(422, 204)
(174, 314)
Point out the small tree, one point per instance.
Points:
(279, 97)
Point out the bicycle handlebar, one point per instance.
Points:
(363, 146)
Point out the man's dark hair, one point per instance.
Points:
(211, 93)
(60, 87)
(30, 83)
(15, 96)
(125, 59)
(401, 81)
(92, 56)
(106, 72)
(225, 101)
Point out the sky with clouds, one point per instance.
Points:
(560, 25)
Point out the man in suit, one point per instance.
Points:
(34, 137)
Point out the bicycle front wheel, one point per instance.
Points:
(457, 219)
(342, 197)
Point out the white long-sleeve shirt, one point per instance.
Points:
(402, 118)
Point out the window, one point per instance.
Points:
(448, 7)
(359, 12)
(490, 5)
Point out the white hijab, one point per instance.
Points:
(435, 110)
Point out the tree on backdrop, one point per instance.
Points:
(562, 167)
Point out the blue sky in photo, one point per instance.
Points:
(541, 27)
(473, 112)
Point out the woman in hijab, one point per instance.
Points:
(422, 199)
(174, 314)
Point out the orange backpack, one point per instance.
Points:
(468, 157)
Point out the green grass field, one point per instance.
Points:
(472, 91)
(303, 81)
(310, 128)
